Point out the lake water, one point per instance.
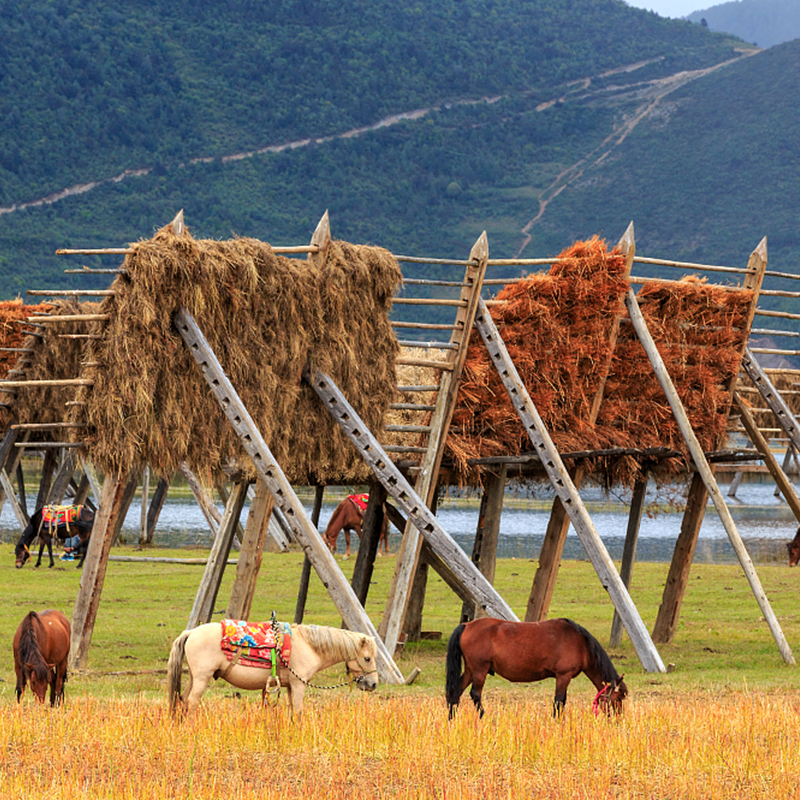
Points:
(764, 522)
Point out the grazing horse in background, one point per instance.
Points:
(347, 517)
(59, 521)
(41, 650)
(794, 549)
(529, 651)
(313, 648)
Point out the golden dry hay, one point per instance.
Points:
(267, 318)
(53, 358)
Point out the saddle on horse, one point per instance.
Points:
(255, 644)
(60, 517)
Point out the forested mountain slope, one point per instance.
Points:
(185, 100)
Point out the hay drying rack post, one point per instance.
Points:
(412, 501)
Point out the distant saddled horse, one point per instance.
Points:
(313, 648)
(65, 521)
(348, 516)
(523, 652)
(41, 651)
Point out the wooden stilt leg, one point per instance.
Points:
(94, 569)
(484, 552)
(305, 576)
(204, 602)
(629, 551)
(249, 564)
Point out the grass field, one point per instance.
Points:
(722, 723)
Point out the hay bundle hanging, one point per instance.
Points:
(700, 331)
(54, 356)
(556, 327)
(266, 317)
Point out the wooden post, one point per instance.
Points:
(285, 498)
(203, 608)
(707, 474)
(544, 580)
(484, 550)
(678, 575)
(249, 563)
(629, 550)
(426, 483)
(145, 498)
(94, 569)
(46, 481)
(305, 575)
(154, 511)
(127, 498)
(210, 512)
(567, 491)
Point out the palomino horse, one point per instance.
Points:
(348, 516)
(313, 648)
(41, 650)
(794, 549)
(529, 651)
(58, 521)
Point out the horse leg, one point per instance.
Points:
(476, 691)
(61, 676)
(41, 552)
(296, 691)
(50, 552)
(560, 699)
(194, 691)
(347, 542)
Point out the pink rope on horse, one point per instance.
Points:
(596, 703)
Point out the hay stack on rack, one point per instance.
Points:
(557, 328)
(51, 356)
(266, 317)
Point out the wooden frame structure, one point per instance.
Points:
(424, 539)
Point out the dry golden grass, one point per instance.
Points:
(358, 746)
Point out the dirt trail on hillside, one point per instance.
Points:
(652, 93)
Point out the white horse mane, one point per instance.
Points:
(336, 642)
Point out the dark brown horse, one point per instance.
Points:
(81, 526)
(529, 651)
(347, 517)
(41, 650)
(794, 549)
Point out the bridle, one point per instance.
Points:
(604, 695)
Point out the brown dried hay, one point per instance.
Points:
(267, 318)
(557, 328)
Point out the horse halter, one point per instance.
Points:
(360, 680)
(605, 695)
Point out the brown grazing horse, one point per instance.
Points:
(529, 651)
(794, 549)
(41, 650)
(347, 517)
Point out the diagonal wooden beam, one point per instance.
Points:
(696, 451)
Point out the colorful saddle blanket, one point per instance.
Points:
(254, 644)
(60, 516)
(359, 501)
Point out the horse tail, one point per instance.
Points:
(602, 661)
(174, 670)
(452, 684)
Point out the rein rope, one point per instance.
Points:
(603, 694)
